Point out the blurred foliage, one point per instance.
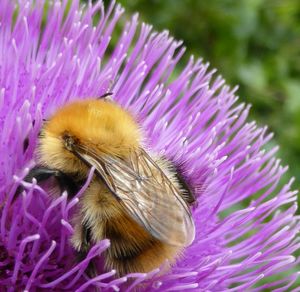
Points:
(252, 43)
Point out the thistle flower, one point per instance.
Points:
(51, 53)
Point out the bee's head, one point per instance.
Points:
(99, 125)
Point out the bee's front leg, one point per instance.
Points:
(41, 173)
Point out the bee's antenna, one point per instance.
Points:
(106, 96)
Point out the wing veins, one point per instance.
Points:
(147, 194)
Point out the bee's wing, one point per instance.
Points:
(147, 194)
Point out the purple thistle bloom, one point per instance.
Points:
(192, 118)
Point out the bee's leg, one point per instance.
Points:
(84, 250)
(40, 173)
(188, 196)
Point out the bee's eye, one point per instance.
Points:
(66, 136)
(68, 140)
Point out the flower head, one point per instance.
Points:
(245, 222)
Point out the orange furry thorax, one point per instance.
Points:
(97, 124)
(100, 123)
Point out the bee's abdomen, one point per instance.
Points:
(128, 239)
(133, 249)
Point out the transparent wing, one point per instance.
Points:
(147, 194)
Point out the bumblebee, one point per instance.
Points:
(136, 199)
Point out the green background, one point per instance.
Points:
(252, 43)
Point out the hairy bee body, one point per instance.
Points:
(135, 199)
(132, 248)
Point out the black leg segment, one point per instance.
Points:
(86, 238)
(65, 181)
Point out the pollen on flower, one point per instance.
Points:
(246, 225)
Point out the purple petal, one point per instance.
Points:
(246, 222)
